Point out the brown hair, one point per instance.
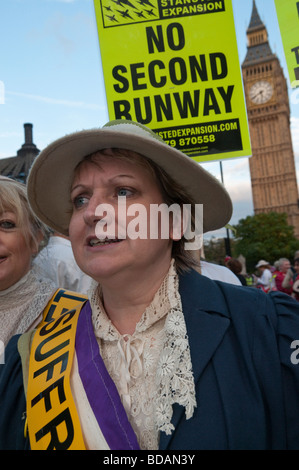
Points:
(234, 265)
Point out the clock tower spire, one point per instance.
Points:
(272, 165)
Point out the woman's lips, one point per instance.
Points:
(102, 242)
(107, 241)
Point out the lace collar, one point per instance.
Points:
(105, 329)
(174, 376)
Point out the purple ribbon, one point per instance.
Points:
(100, 389)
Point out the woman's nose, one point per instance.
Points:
(91, 213)
(99, 213)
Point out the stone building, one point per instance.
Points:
(272, 165)
(17, 167)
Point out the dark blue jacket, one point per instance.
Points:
(246, 376)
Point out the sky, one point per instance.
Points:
(51, 76)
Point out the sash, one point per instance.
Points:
(53, 422)
(100, 389)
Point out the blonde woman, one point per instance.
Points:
(23, 293)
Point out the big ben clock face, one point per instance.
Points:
(261, 92)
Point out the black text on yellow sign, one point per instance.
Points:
(178, 71)
(175, 75)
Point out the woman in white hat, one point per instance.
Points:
(266, 280)
(159, 357)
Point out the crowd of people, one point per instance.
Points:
(282, 276)
(159, 350)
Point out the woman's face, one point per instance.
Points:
(285, 265)
(101, 182)
(15, 252)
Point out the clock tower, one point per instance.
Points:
(272, 165)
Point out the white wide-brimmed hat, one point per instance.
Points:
(262, 262)
(52, 173)
(5, 178)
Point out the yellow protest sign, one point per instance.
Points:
(173, 65)
(288, 19)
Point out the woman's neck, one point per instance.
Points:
(6, 287)
(126, 302)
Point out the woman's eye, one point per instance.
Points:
(79, 201)
(124, 192)
(7, 224)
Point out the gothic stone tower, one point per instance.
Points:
(272, 165)
(18, 167)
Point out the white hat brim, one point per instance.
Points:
(52, 173)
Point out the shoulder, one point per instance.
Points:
(279, 275)
(263, 323)
(239, 303)
(267, 274)
(218, 272)
(252, 299)
(12, 360)
(198, 292)
(57, 247)
(194, 282)
(12, 400)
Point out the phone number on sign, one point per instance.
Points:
(186, 141)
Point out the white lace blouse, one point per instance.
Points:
(152, 367)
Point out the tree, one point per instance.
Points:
(215, 249)
(265, 236)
